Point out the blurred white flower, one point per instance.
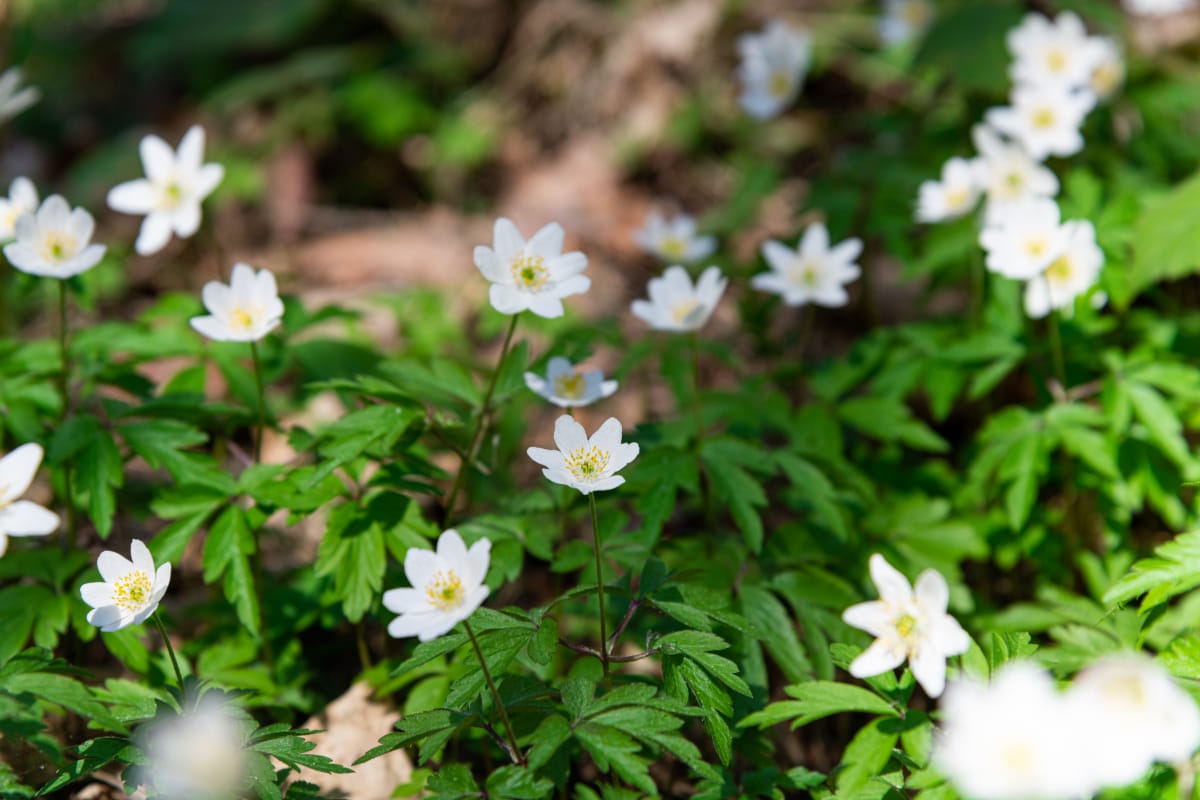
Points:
(1007, 174)
(1109, 72)
(170, 195)
(772, 68)
(812, 273)
(1044, 119)
(447, 587)
(14, 99)
(1052, 53)
(953, 196)
(22, 517)
(674, 240)
(1135, 715)
(197, 755)
(130, 590)
(1013, 739)
(907, 624)
(1071, 274)
(583, 463)
(1158, 8)
(246, 310)
(22, 199)
(1024, 240)
(904, 20)
(565, 387)
(676, 304)
(534, 275)
(54, 241)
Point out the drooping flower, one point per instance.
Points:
(13, 98)
(772, 69)
(1024, 240)
(674, 240)
(534, 275)
(1052, 53)
(953, 196)
(907, 624)
(1109, 73)
(245, 310)
(1071, 274)
(583, 463)
(130, 590)
(812, 273)
(22, 199)
(904, 20)
(1012, 739)
(566, 387)
(676, 304)
(199, 754)
(22, 517)
(54, 241)
(1136, 715)
(447, 587)
(170, 195)
(1044, 119)
(1007, 174)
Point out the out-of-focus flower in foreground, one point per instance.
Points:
(907, 624)
(1044, 119)
(13, 98)
(1071, 274)
(583, 463)
(130, 590)
(1007, 174)
(904, 20)
(676, 304)
(1109, 73)
(1024, 240)
(22, 199)
(447, 587)
(772, 69)
(176, 183)
(245, 310)
(566, 387)
(22, 517)
(813, 272)
(674, 240)
(199, 754)
(534, 275)
(955, 195)
(54, 241)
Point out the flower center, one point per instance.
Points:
(1059, 271)
(132, 590)
(957, 198)
(587, 463)
(57, 246)
(780, 83)
(570, 385)
(906, 626)
(1014, 182)
(241, 319)
(805, 273)
(530, 273)
(1056, 60)
(1017, 757)
(673, 247)
(1125, 689)
(172, 194)
(685, 310)
(1036, 247)
(1105, 78)
(1042, 118)
(445, 590)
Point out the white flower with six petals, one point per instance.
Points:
(566, 387)
(772, 68)
(813, 272)
(674, 240)
(1055, 52)
(676, 304)
(1006, 173)
(583, 463)
(54, 241)
(534, 275)
(1075, 271)
(1024, 240)
(955, 195)
(22, 517)
(130, 590)
(245, 310)
(447, 587)
(1044, 119)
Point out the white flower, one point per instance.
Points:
(197, 755)
(13, 99)
(21, 517)
(907, 625)
(904, 20)
(772, 68)
(1068, 276)
(130, 590)
(244, 311)
(176, 183)
(566, 387)
(1052, 53)
(1109, 72)
(674, 240)
(813, 273)
(534, 275)
(587, 464)
(54, 241)
(1024, 240)
(1012, 740)
(22, 199)
(676, 304)
(447, 587)
(1157, 8)
(953, 196)
(1007, 174)
(1044, 119)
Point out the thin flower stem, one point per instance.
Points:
(256, 563)
(600, 590)
(480, 427)
(694, 346)
(64, 384)
(162, 629)
(514, 749)
(262, 403)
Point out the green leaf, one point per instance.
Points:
(616, 751)
(736, 487)
(817, 699)
(1174, 569)
(549, 735)
(766, 613)
(518, 783)
(889, 420)
(1167, 237)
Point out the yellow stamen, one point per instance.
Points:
(673, 247)
(684, 309)
(1037, 247)
(57, 246)
(529, 272)
(1056, 60)
(132, 590)
(445, 590)
(906, 625)
(1043, 118)
(587, 463)
(1059, 271)
(957, 198)
(780, 83)
(241, 319)
(570, 385)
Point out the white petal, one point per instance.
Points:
(3, 544)
(569, 435)
(877, 659)
(451, 548)
(932, 592)
(816, 241)
(507, 241)
(546, 305)
(874, 617)
(949, 637)
(622, 456)
(548, 242)
(24, 518)
(929, 668)
(602, 485)
(547, 458)
(141, 558)
(162, 580)
(108, 618)
(17, 470)
(488, 264)
(133, 197)
(158, 159)
(186, 219)
(893, 587)
(478, 559)
(154, 234)
(207, 179)
(573, 286)
(508, 299)
(97, 594)
(191, 149)
(420, 565)
(403, 601)
(567, 265)
(777, 255)
(213, 328)
(113, 566)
